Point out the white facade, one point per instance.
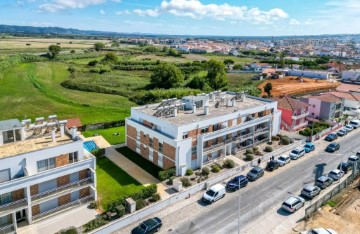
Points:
(350, 76)
(42, 175)
(309, 74)
(202, 131)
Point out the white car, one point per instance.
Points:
(283, 160)
(336, 174)
(297, 153)
(353, 159)
(349, 128)
(320, 231)
(215, 193)
(355, 123)
(293, 203)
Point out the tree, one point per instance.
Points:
(99, 46)
(166, 75)
(228, 62)
(115, 44)
(173, 52)
(267, 89)
(150, 49)
(72, 51)
(198, 82)
(282, 61)
(238, 67)
(164, 49)
(111, 57)
(216, 76)
(54, 50)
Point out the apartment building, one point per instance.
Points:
(324, 106)
(191, 132)
(44, 170)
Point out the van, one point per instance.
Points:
(355, 123)
(297, 153)
(215, 193)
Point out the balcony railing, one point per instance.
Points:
(10, 228)
(261, 130)
(300, 125)
(295, 116)
(62, 189)
(63, 207)
(8, 207)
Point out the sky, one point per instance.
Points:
(189, 17)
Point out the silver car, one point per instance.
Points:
(293, 203)
(310, 191)
(283, 160)
(336, 174)
(297, 153)
(353, 159)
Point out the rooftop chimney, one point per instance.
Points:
(175, 111)
(74, 132)
(53, 136)
(206, 110)
(243, 96)
(213, 97)
(233, 102)
(194, 108)
(62, 127)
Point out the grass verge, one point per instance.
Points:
(108, 134)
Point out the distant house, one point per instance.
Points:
(293, 113)
(351, 102)
(74, 122)
(352, 76)
(258, 67)
(309, 74)
(325, 106)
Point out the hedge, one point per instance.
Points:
(166, 174)
(94, 224)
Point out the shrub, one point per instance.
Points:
(268, 149)
(285, 140)
(215, 168)
(275, 138)
(98, 152)
(255, 149)
(93, 205)
(205, 171)
(249, 151)
(155, 197)
(185, 181)
(120, 210)
(140, 203)
(228, 163)
(92, 63)
(171, 179)
(70, 230)
(94, 224)
(189, 172)
(166, 174)
(249, 157)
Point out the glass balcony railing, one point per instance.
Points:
(11, 206)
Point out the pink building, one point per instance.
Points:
(293, 113)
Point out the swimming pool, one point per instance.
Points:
(90, 145)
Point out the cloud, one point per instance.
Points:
(197, 10)
(59, 5)
(309, 22)
(102, 12)
(126, 12)
(294, 22)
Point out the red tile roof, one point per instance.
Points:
(347, 96)
(327, 97)
(74, 122)
(289, 103)
(348, 87)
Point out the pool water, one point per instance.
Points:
(90, 145)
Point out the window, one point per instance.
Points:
(160, 147)
(160, 160)
(4, 175)
(8, 136)
(5, 198)
(151, 142)
(73, 157)
(199, 104)
(194, 150)
(216, 127)
(204, 130)
(46, 164)
(185, 135)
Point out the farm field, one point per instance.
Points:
(289, 85)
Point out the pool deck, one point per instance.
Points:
(99, 140)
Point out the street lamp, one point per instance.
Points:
(239, 208)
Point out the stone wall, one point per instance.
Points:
(35, 210)
(84, 192)
(63, 180)
(34, 189)
(64, 199)
(62, 160)
(18, 195)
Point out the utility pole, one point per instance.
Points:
(239, 209)
(312, 131)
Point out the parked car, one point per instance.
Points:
(341, 132)
(149, 226)
(293, 203)
(283, 160)
(331, 137)
(323, 182)
(272, 165)
(255, 173)
(297, 153)
(308, 147)
(355, 123)
(353, 159)
(237, 182)
(345, 167)
(358, 153)
(332, 147)
(213, 194)
(310, 191)
(336, 174)
(349, 128)
(320, 231)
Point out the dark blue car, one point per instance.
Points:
(331, 137)
(309, 147)
(237, 181)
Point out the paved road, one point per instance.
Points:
(261, 199)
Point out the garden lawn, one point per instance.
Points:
(108, 134)
(145, 164)
(113, 182)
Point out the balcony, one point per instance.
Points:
(303, 115)
(63, 208)
(56, 192)
(261, 131)
(9, 228)
(12, 206)
(301, 125)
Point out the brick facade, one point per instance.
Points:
(131, 143)
(131, 131)
(64, 199)
(239, 120)
(230, 123)
(144, 151)
(63, 180)
(155, 158)
(148, 124)
(167, 163)
(169, 151)
(156, 144)
(62, 160)
(84, 192)
(34, 189)
(35, 210)
(144, 138)
(18, 195)
(83, 174)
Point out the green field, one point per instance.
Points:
(243, 82)
(113, 182)
(108, 134)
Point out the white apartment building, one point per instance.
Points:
(44, 170)
(191, 132)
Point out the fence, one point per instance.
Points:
(134, 217)
(7, 229)
(311, 209)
